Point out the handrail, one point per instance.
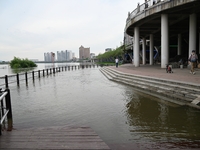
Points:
(8, 113)
(4, 117)
(3, 95)
(142, 7)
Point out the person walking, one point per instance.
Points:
(193, 59)
(116, 62)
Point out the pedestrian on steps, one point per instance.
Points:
(193, 59)
(116, 62)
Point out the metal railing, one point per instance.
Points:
(142, 7)
(26, 76)
(5, 111)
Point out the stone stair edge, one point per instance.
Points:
(157, 79)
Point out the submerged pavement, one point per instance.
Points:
(155, 71)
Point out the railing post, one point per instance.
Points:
(8, 107)
(6, 81)
(47, 71)
(43, 72)
(17, 79)
(53, 70)
(26, 78)
(1, 114)
(50, 70)
(33, 76)
(65, 68)
(68, 67)
(62, 68)
(38, 73)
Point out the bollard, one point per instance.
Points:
(26, 78)
(6, 81)
(33, 75)
(17, 79)
(38, 73)
(8, 107)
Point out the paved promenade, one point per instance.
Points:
(179, 75)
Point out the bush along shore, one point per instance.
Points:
(18, 63)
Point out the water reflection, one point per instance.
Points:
(19, 70)
(151, 120)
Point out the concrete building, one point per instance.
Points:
(108, 49)
(49, 57)
(165, 23)
(84, 53)
(65, 55)
(92, 55)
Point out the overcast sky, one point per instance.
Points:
(29, 28)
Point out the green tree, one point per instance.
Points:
(21, 63)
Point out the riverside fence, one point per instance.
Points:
(5, 110)
(26, 76)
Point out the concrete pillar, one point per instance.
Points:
(136, 47)
(144, 51)
(199, 44)
(179, 44)
(164, 40)
(192, 33)
(151, 50)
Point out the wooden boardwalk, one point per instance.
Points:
(52, 138)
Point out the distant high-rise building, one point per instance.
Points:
(92, 55)
(65, 55)
(49, 57)
(84, 52)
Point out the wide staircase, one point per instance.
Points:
(177, 92)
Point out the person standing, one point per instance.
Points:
(193, 59)
(116, 62)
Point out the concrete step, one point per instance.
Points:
(189, 88)
(181, 93)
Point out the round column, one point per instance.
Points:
(136, 47)
(192, 33)
(144, 51)
(179, 44)
(151, 50)
(199, 44)
(164, 40)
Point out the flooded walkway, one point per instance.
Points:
(58, 138)
(121, 116)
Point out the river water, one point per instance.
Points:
(119, 114)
